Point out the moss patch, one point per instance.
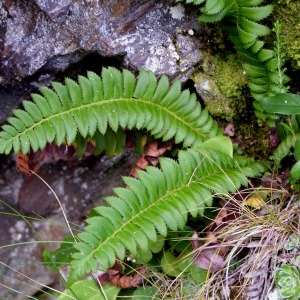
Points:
(288, 14)
(220, 83)
(254, 141)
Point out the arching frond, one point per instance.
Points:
(160, 200)
(114, 100)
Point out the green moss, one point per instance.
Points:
(220, 83)
(253, 140)
(231, 77)
(288, 13)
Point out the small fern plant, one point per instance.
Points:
(264, 67)
(161, 199)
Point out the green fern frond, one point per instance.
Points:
(276, 65)
(112, 142)
(94, 104)
(285, 147)
(241, 19)
(157, 202)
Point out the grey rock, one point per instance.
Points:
(57, 10)
(39, 39)
(80, 185)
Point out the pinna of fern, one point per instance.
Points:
(159, 201)
(114, 100)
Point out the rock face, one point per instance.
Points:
(40, 39)
(80, 185)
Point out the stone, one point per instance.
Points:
(25, 274)
(80, 185)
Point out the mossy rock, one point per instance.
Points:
(220, 83)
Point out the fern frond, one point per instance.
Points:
(258, 61)
(157, 202)
(225, 8)
(263, 66)
(115, 100)
(284, 148)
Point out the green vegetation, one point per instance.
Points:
(150, 221)
(224, 81)
(161, 199)
(241, 20)
(115, 100)
(288, 280)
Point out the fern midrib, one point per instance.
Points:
(103, 102)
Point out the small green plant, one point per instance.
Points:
(287, 104)
(293, 243)
(288, 282)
